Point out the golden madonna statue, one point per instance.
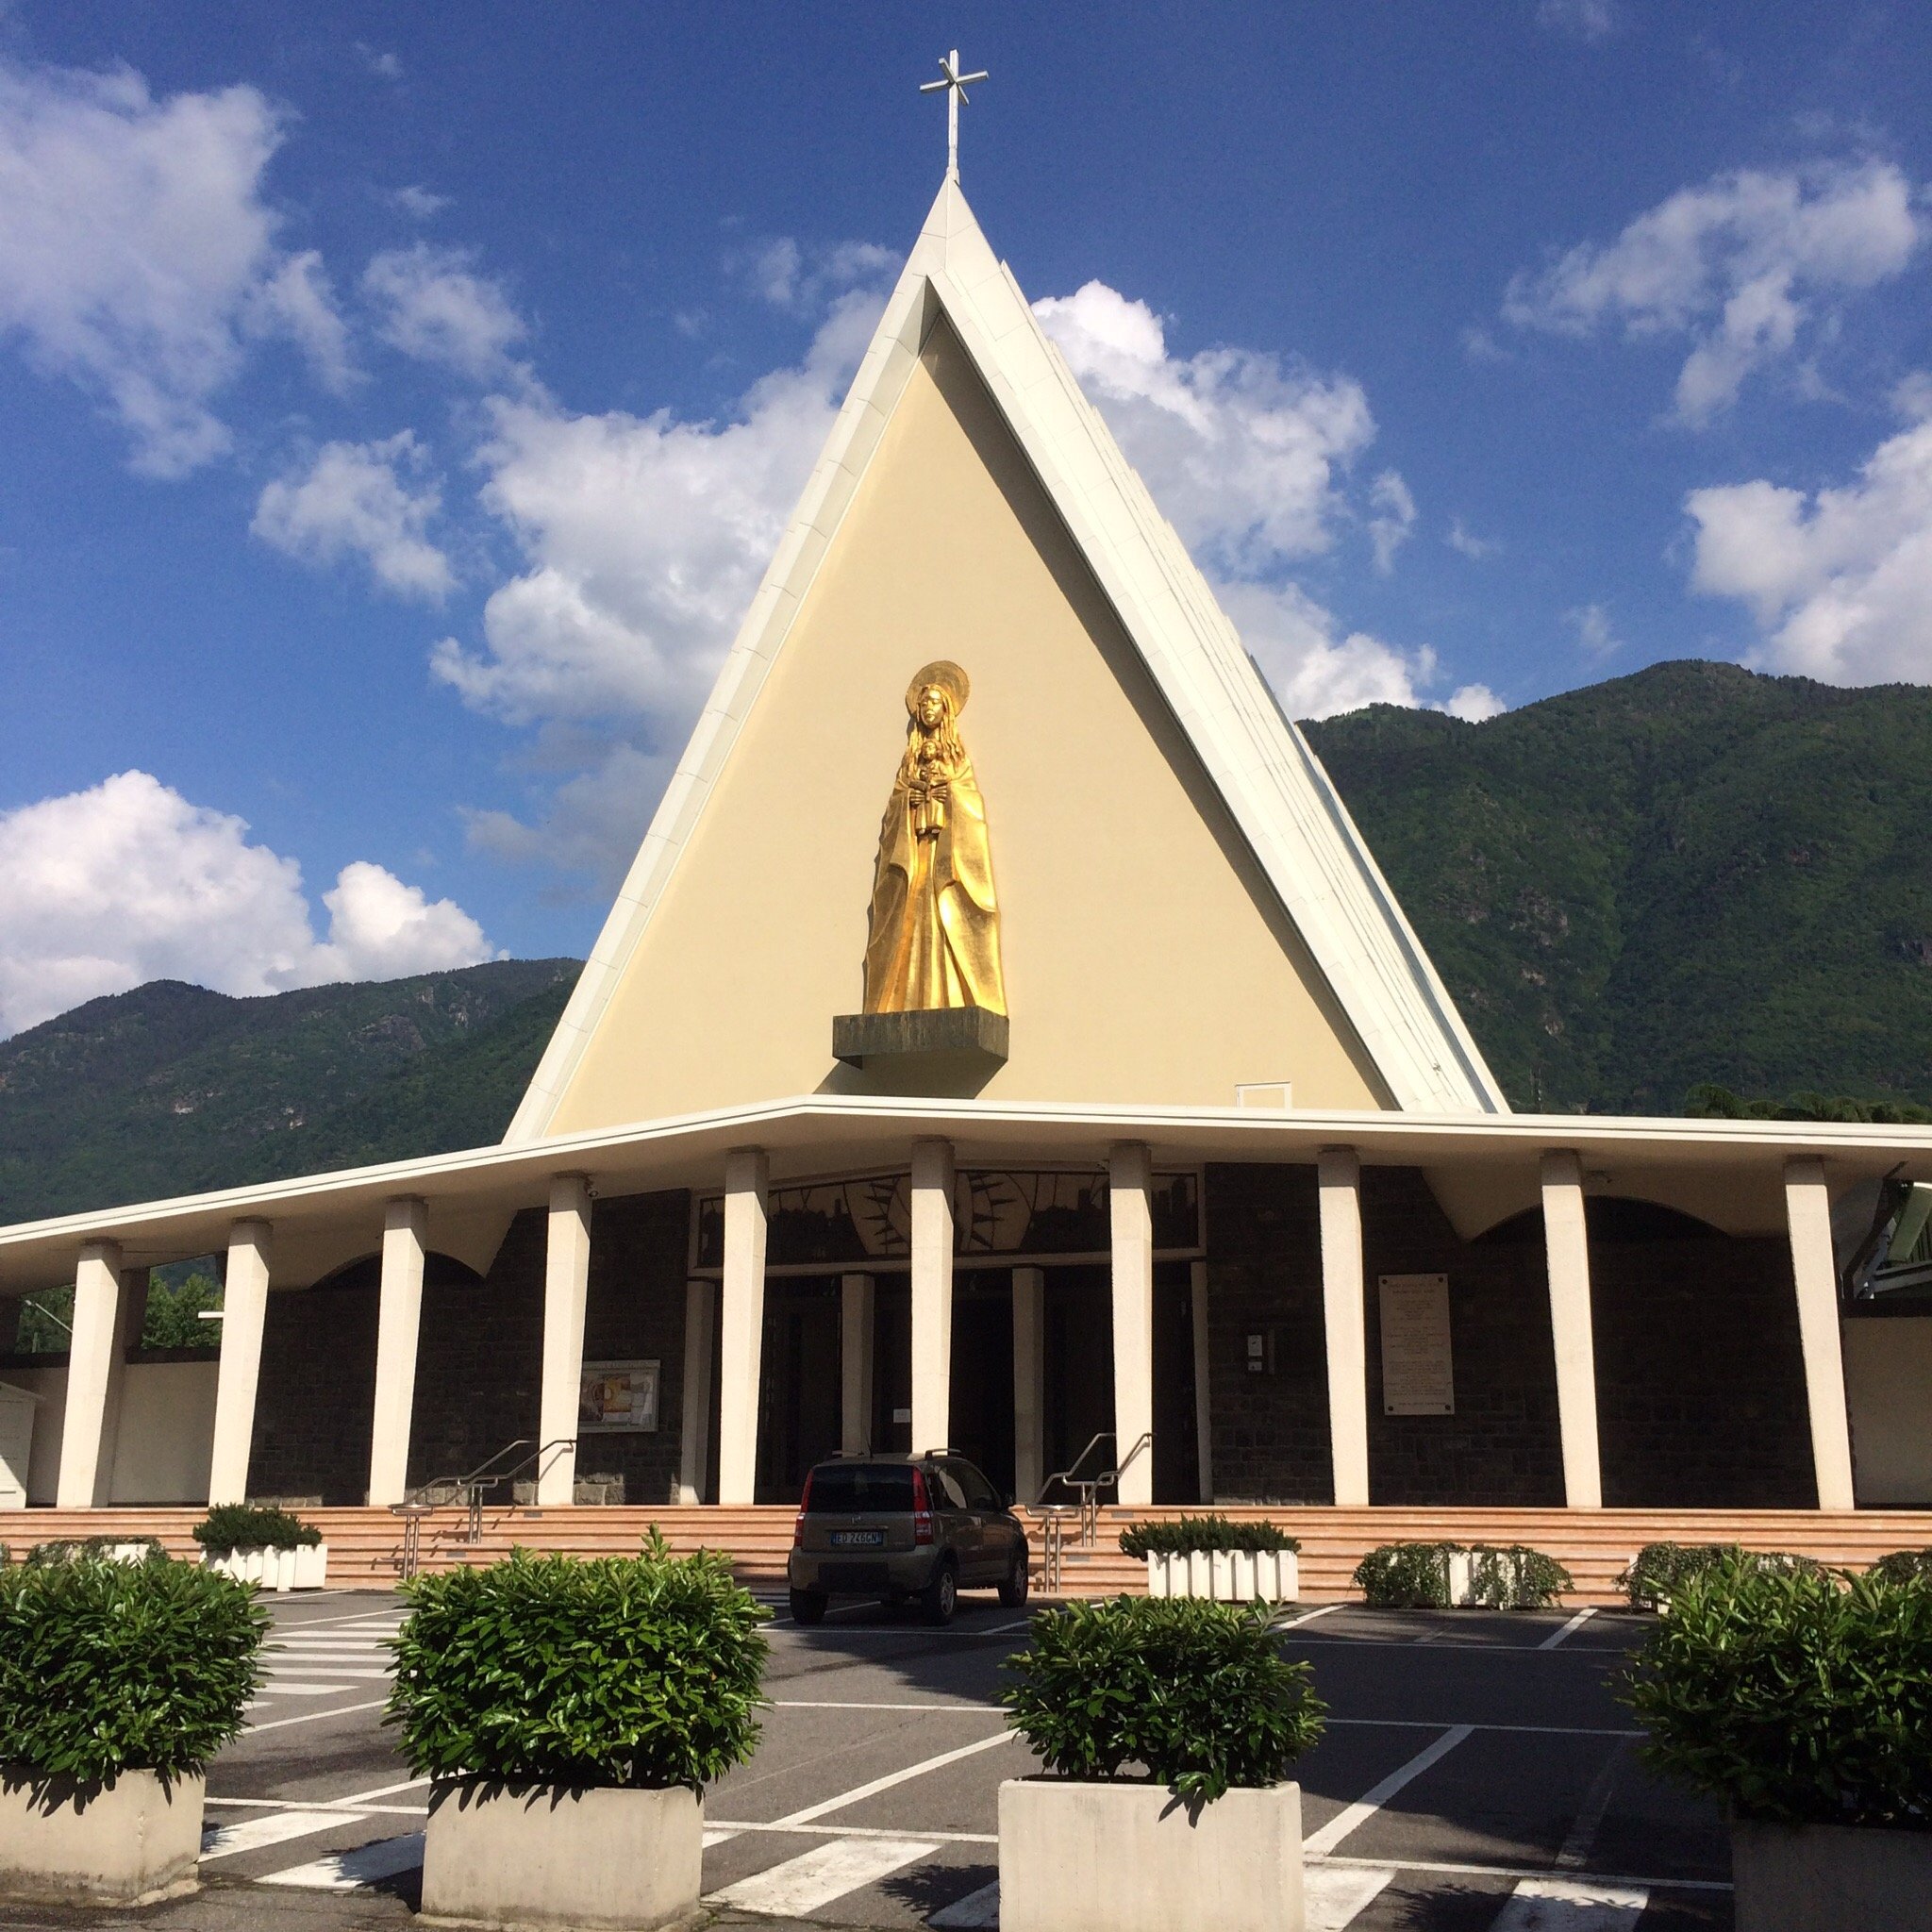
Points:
(934, 936)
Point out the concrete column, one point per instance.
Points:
(1814, 1269)
(398, 1319)
(245, 1311)
(932, 1295)
(1566, 1239)
(90, 1365)
(741, 1322)
(1130, 1181)
(1204, 1414)
(1029, 1383)
(1339, 1176)
(566, 1287)
(700, 1352)
(131, 1318)
(854, 1365)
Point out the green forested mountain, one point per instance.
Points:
(1690, 875)
(171, 1089)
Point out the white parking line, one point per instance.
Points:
(1353, 1816)
(1569, 1629)
(852, 1704)
(895, 1778)
(280, 1687)
(309, 1717)
(316, 1667)
(1557, 1905)
(1334, 1896)
(816, 1877)
(1540, 1875)
(724, 1829)
(1589, 1815)
(358, 1869)
(975, 1911)
(253, 1834)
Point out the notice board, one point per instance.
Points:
(1418, 1367)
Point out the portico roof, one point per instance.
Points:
(1486, 1164)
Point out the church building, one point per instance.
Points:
(1004, 1040)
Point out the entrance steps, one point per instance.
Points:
(365, 1545)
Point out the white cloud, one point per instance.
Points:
(419, 203)
(1393, 520)
(793, 276)
(436, 308)
(1477, 549)
(352, 500)
(102, 889)
(1472, 702)
(1588, 19)
(1595, 635)
(383, 64)
(1840, 584)
(1743, 266)
(593, 824)
(1242, 451)
(138, 257)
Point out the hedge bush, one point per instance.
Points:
(1659, 1570)
(108, 1667)
(85, 1549)
(639, 1671)
(1796, 1695)
(1905, 1566)
(1191, 1533)
(1415, 1576)
(1195, 1692)
(231, 1526)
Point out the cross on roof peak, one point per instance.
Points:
(953, 85)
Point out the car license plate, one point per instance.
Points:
(858, 1539)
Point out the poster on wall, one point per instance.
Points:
(617, 1395)
(1418, 1368)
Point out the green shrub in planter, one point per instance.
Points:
(1903, 1566)
(1659, 1570)
(110, 1667)
(628, 1670)
(85, 1549)
(1798, 1696)
(231, 1526)
(1191, 1533)
(1196, 1691)
(1415, 1576)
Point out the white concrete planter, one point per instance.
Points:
(1830, 1878)
(304, 1567)
(122, 1843)
(1128, 1858)
(551, 1855)
(1229, 1576)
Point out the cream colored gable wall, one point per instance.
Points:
(1146, 960)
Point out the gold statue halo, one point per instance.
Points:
(950, 679)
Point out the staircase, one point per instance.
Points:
(365, 1545)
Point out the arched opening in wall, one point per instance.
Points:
(1700, 1383)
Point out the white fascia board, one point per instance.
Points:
(883, 372)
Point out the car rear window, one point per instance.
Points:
(849, 1487)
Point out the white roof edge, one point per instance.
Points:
(1275, 787)
(916, 1115)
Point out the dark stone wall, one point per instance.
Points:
(1700, 1377)
(1700, 1383)
(480, 1359)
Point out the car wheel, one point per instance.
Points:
(807, 1606)
(1014, 1590)
(940, 1597)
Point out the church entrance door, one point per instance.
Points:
(981, 1397)
(798, 1383)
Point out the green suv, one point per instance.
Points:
(900, 1527)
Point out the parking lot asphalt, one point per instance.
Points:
(1476, 1771)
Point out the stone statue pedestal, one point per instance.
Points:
(974, 1034)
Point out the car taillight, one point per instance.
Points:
(798, 1527)
(921, 1508)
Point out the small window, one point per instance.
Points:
(978, 1492)
(851, 1489)
(952, 1496)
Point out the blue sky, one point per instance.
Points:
(397, 404)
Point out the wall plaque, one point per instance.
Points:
(1418, 1367)
(617, 1396)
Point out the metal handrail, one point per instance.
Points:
(1088, 1489)
(469, 1489)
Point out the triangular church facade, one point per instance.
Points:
(1005, 1052)
(1187, 912)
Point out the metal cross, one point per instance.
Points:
(955, 85)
